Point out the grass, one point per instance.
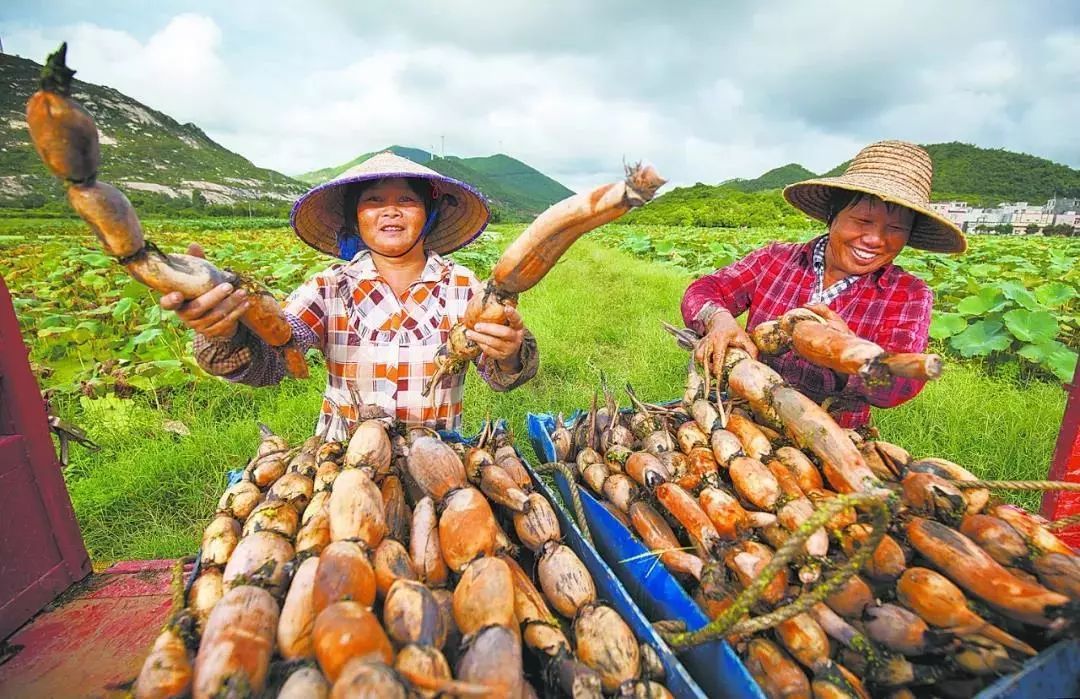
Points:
(149, 492)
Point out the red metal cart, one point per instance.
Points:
(89, 633)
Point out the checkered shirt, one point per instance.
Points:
(376, 345)
(889, 306)
(820, 294)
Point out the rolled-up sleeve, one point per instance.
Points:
(730, 288)
(499, 380)
(245, 358)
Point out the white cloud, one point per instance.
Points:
(177, 70)
(706, 91)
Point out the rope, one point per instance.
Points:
(575, 495)
(728, 623)
(1064, 522)
(1018, 485)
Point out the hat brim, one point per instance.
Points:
(318, 215)
(932, 231)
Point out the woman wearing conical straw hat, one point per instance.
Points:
(381, 313)
(880, 204)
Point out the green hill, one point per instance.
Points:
(159, 163)
(989, 176)
(718, 205)
(513, 173)
(517, 191)
(979, 176)
(328, 173)
(777, 178)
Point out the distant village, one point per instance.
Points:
(1058, 216)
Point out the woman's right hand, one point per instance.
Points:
(722, 332)
(214, 314)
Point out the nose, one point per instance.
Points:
(874, 236)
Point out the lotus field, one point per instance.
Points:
(93, 330)
(1006, 297)
(116, 366)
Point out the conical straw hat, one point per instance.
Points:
(317, 217)
(896, 172)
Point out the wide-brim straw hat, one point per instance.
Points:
(317, 217)
(896, 172)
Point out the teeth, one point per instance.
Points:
(862, 254)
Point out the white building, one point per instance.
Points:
(1018, 215)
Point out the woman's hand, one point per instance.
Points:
(831, 317)
(214, 314)
(722, 332)
(501, 342)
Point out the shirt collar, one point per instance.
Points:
(362, 267)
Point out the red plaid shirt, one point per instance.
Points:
(380, 349)
(888, 306)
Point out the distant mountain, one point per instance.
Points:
(777, 178)
(993, 175)
(328, 173)
(516, 191)
(147, 153)
(979, 176)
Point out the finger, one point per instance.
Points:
(198, 307)
(701, 350)
(196, 250)
(747, 345)
(171, 301)
(223, 309)
(483, 339)
(720, 348)
(494, 330)
(513, 317)
(497, 351)
(227, 325)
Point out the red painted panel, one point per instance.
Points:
(94, 641)
(25, 535)
(41, 549)
(1066, 467)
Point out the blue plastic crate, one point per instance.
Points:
(608, 588)
(714, 666)
(1053, 673)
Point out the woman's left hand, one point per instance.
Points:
(831, 317)
(501, 342)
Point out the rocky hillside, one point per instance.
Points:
(148, 154)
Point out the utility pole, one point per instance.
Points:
(442, 149)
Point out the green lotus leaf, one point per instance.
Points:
(1015, 291)
(986, 301)
(1052, 355)
(945, 325)
(981, 338)
(1055, 294)
(1031, 326)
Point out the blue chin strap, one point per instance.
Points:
(350, 245)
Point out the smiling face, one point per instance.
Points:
(390, 216)
(865, 237)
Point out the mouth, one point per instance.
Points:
(391, 228)
(863, 255)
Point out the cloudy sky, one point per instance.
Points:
(704, 90)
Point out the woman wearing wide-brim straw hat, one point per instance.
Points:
(877, 206)
(381, 313)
